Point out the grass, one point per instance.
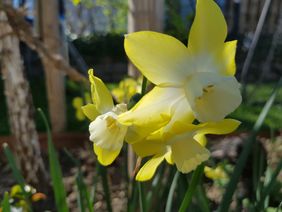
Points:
(247, 113)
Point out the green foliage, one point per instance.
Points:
(114, 11)
(16, 172)
(175, 25)
(249, 112)
(6, 207)
(196, 177)
(227, 198)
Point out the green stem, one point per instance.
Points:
(142, 199)
(144, 86)
(192, 187)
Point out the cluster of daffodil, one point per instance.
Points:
(126, 89)
(191, 83)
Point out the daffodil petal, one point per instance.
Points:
(209, 30)
(201, 138)
(168, 157)
(151, 113)
(147, 148)
(215, 173)
(105, 157)
(187, 153)
(224, 126)
(90, 111)
(220, 61)
(181, 114)
(148, 170)
(101, 96)
(161, 58)
(227, 58)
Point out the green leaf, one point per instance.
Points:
(171, 192)
(55, 170)
(6, 207)
(269, 186)
(12, 163)
(16, 173)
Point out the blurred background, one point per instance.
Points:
(47, 47)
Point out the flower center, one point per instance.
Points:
(206, 90)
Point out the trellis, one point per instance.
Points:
(250, 11)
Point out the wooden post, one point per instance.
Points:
(55, 80)
(142, 15)
(20, 106)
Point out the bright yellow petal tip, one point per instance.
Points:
(101, 96)
(90, 111)
(149, 168)
(105, 157)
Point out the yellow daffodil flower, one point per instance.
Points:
(181, 145)
(77, 103)
(76, 2)
(125, 90)
(106, 133)
(199, 77)
(216, 173)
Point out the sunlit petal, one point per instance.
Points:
(187, 153)
(201, 138)
(147, 148)
(105, 156)
(168, 157)
(90, 111)
(222, 127)
(148, 170)
(101, 96)
(151, 113)
(161, 58)
(227, 58)
(209, 29)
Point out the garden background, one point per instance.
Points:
(44, 65)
